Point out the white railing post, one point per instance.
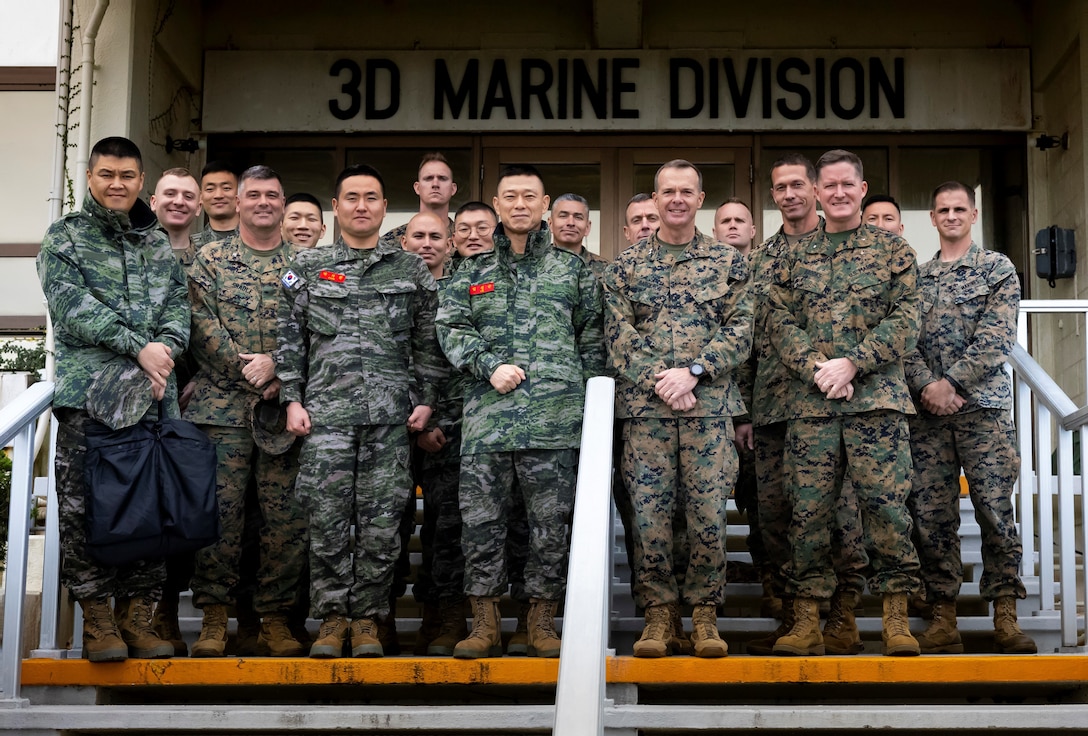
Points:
(579, 692)
(17, 426)
(1067, 532)
(48, 645)
(1044, 450)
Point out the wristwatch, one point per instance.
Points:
(697, 370)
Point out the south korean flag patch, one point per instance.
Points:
(290, 280)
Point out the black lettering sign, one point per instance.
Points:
(584, 87)
(467, 92)
(498, 92)
(893, 92)
(676, 66)
(620, 87)
(740, 96)
(373, 66)
(539, 90)
(804, 98)
(858, 72)
(349, 88)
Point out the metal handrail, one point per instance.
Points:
(17, 425)
(580, 690)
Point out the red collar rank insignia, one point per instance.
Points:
(337, 278)
(289, 279)
(477, 289)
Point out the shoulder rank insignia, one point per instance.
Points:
(289, 279)
(336, 278)
(477, 289)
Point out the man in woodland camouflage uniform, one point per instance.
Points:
(118, 303)
(219, 198)
(678, 324)
(235, 292)
(842, 317)
(964, 397)
(361, 368)
(525, 321)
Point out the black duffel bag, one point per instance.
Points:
(149, 490)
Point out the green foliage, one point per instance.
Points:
(16, 356)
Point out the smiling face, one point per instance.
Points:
(794, 194)
(884, 215)
(359, 207)
(260, 205)
(840, 189)
(176, 202)
(303, 224)
(521, 203)
(678, 197)
(953, 215)
(219, 195)
(115, 183)
(569, 224)
(474, 232)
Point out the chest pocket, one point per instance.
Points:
(646, 303)
(970, 297)
(810, 279)
(327, 302)
(397, 300)
(240, 295)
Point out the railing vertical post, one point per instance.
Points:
(1044, 428)
(1067, 528)
(579, 693)
(1029, 474)
(22, 483)
(48, 639)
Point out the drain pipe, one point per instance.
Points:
(86, 89)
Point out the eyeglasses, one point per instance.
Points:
(482, 229)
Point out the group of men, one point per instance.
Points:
(452, 354)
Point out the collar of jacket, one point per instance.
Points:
(347, 253)
(699, 247)
(284, 249)
(971, 259)
(537, 244)
(139, 220)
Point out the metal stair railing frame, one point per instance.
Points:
(1045, 414)
(18, 422)
(580, 689)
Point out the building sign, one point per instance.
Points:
(908, 90)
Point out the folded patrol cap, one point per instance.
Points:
(267, 420)
(120, 394)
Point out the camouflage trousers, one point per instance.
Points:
(360, 476)
(282, 535)
(775, 513)
(685, 466)
(983, 443)
(85, 578)
(545, 480)
(874, 448)
(441, 576)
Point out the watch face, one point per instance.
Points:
(696, 369)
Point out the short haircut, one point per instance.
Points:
(433, 156)
(640, 197)
(359, 170)
(741, 202)
(679, 163)
(260, 172)
(520, 170)
(952, 186)
(476, 206)
(117, 147)
(571, 197)
(797, 159)
(218, 167)
(178, 171)
(838, 156)
(303, 197)
(877, 199)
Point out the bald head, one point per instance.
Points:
(428, 236)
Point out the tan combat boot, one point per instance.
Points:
(1008, 637)
(896, 635)
(770, 605)
(277, 637)
(166, 624)
(133, 616)
(543, 641)
(430, 625)
(804, 638)
(941, 636)
(247, 640)
(518, 646)
(657, 633)
(485, 639)
(452, 629)
(679, 643)
(102, 641)
(213, 632)
(764, 645)
(841, 634)
(704, 632)
(330, 637)
(364, 638)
